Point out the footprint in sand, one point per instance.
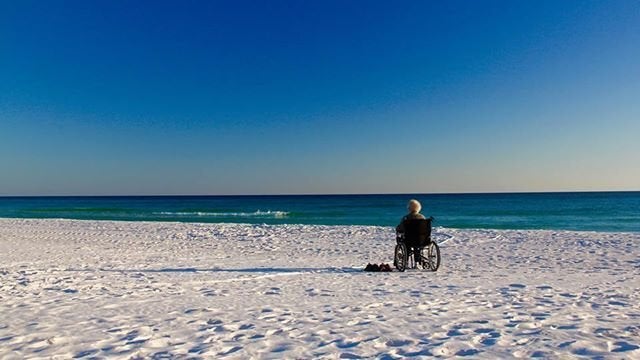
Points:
(617, 303)
(350, 356)
(623, 346)
(483, 330)
(343, 344)
(540, 315)
(246, 326)
(467, 352)
(198, 349)
(568, 295)
(281, 348)
(398, 342)
(162, 355)
(84, 353)
(273, 291)
(230, 350)
(487, 337)
(518, 286)
(454, 332)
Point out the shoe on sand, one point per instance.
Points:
(372, 267)
(376, 267)
(385, 267)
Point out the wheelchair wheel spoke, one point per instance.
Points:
(400, 257)
(434, 257)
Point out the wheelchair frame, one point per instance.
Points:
(403, 257)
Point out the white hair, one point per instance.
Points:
(414, 205)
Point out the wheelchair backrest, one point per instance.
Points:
(417, 231)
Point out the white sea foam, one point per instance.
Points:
(258, 213)
(110, 289)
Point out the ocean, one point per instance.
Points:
(590, 211)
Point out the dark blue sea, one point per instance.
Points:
(597, 211)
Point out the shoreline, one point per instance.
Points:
(322, 225)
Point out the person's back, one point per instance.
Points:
(414, 208)
(415, 226)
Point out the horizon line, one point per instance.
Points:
(337, 194)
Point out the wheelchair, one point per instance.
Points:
(415, 248)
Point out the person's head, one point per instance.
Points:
(414, 206)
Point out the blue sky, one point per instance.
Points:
(206, 97)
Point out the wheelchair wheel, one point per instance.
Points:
(400, 257)
(431, 260)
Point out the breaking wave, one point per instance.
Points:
(257, 214)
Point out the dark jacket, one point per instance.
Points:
(409, 216)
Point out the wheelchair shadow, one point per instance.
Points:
(255, 270)
(270, 270)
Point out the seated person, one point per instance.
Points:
(414, 208)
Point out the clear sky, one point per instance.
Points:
(270, 97)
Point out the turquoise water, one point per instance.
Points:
(598, 211)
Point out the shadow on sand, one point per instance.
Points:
(263, 270)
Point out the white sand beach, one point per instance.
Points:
(104, 289)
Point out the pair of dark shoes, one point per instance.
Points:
(375, 267)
